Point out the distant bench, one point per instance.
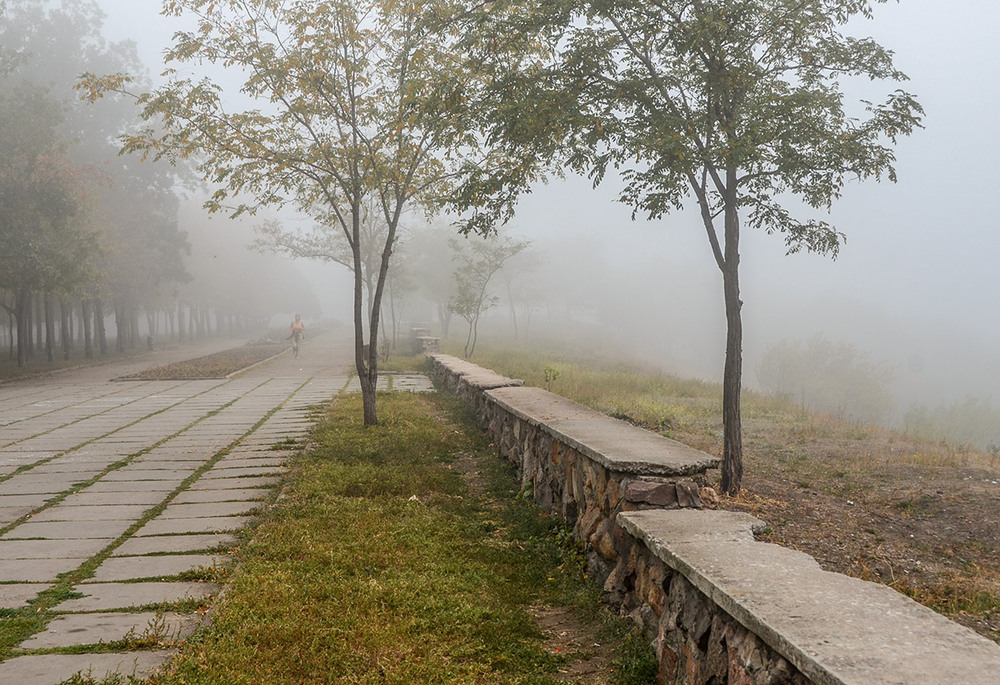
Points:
(719, 605)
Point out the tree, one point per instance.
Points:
(326, 243)
(44, 246)
(429, 261)
(736, 103)
(342, 102)
(133, 210)
(521, 290)
(478, 262)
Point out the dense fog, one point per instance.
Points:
(913, 291)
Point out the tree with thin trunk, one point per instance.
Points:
(738, 104)
(326, 243)
(341, 101)
(478, 262)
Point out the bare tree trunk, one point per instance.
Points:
(86, 314)
(66, 326)
(39, 323)
(392, 314)
(100, 331)
(133, 326)
(121, 326)
(513, 311)
(50, 332)
(367, 373)
(22, 306)
(444, 316)
(469, 351)
(732, 379)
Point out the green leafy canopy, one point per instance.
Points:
(715, 99)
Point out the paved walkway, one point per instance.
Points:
(115, 497)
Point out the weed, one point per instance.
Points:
(549, 376)
(88, 678)
(636, 663)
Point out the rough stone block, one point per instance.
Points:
(656, 494)
(603, 540)
(588, 523)
(688, 496)
(709, 498)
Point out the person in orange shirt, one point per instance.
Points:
(298, 334)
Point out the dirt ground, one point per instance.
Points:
(921, 518)
(590, 660)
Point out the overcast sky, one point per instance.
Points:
(917, 282)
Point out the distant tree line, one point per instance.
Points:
(87, 233)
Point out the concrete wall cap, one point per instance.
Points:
(474, 375)
(615, 444)
(833, 628)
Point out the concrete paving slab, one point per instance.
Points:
(15, 455)
(87, 469)
(24, 500)
(37, 570)
(49, 669)
(235, 483)
(249, 462)
(244, 472)
(11, 514)
(134, 568)
(50, 549)
(171, 464)
(412, 383)
(133, 485)
(248, 450)
(109, 596)
(219, 524)
(89, 498)
(67, 530)
(47, 485)
(17, 595)
(148, 474)
(86, 456)
(209, 510)
(227, 495)
(161, 544)
(97, 512)
(91, 629)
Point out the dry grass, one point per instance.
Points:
(921, 516)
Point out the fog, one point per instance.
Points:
(915, 285)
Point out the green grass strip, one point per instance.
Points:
(378, 565)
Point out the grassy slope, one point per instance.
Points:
(917, 515)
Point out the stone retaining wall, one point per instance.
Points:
(719, 606)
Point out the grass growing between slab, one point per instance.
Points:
(379, 565)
